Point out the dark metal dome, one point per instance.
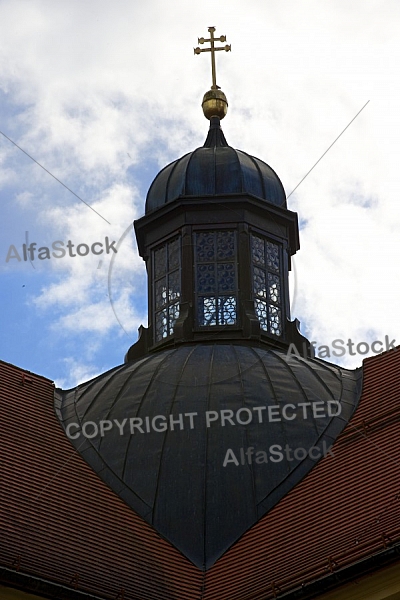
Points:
(215, 169)
(162, 457)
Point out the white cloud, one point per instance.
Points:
(76, 373)
(104, 94)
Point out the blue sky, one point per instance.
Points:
(105, 94)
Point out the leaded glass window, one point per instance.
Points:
(267, 285)
(216, 278)
(166, 287)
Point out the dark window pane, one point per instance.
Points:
(205, 250)
(160, 265)
(206, 278)
(257, 250)
(226, 277)
(225, 245)
(173, 255)
(272, 256)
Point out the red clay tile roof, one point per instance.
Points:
(59, 522)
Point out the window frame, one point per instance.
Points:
(166, 308)
(267, 271)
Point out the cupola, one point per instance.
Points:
(217, 238)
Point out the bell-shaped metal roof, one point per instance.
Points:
(183, 435)
(215, 169)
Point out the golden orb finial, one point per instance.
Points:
(214, 102)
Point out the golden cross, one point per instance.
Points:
(212, 49)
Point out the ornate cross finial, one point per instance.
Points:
(212, 49)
